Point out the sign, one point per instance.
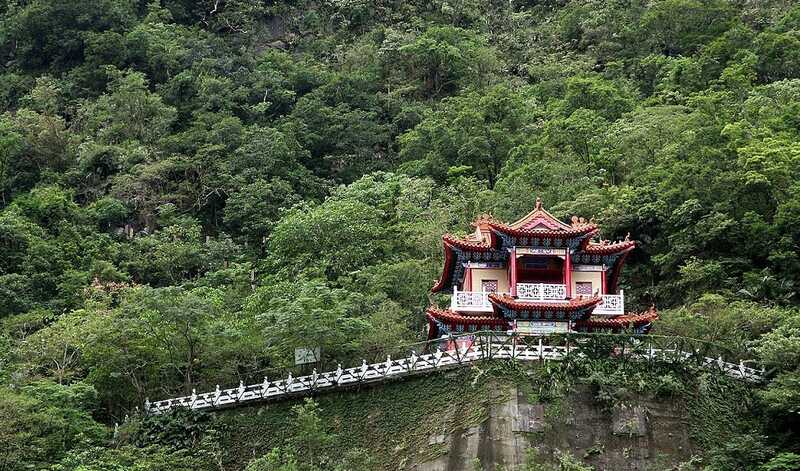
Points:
(588, 267)
(303, 356)
(540, 251)
(542, 327)
(483, 265)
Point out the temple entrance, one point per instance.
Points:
(540, 269)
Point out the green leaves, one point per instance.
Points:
(478, 129)
(128, 112)
(308, 314)
(444, 58)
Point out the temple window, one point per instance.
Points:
(489, 286)
(583, 288)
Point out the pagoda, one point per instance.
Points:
(537, 275)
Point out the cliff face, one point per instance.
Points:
(503, 417)
(638, 434)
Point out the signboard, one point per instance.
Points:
(540, 251)
(303, 356)
(588, 267)
(483, 265)
(542, 327)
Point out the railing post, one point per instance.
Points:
(454, 300)
(513, 345)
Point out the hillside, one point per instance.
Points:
(496, 416)
(191, 190)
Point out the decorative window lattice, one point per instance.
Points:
(583, 288)
(489, 286)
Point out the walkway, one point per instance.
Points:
(465, 350)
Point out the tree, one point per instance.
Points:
(478, 129)
(780, 349)
(443, 59)
(45, 421)
(49, 34)
(127, 112)
(681, 26)
(579, 132)
(338, 237)
(11, 145)
(307, 314)
(254, 209)
(178, 323)
(778, 56)
(597, 94)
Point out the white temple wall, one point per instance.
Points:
(499, 274)
(593, 277)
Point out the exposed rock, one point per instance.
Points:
(629, 420)
(638, 435)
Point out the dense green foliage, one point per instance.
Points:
(191, 190)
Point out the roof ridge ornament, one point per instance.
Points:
(538, 202)
(483, 220)
(576, 221)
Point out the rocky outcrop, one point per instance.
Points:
(636, 434)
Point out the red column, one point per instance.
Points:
(568, 273)
(514, 271)
(603, 281)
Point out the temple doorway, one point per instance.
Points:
(540, 269)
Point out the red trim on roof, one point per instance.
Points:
(452, 318)
(594, 248)
(482, 222)
(574, 304)
(449, 257)
(539, 217)
(466, 244)
(580, 231)
(620, 322)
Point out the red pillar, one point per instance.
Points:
(603, 281)
(568, 273)
(513, 265)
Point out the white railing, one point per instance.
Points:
(470, 301)
(541, 291)
(466, 350)
(611, 305)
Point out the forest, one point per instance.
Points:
(190, 190)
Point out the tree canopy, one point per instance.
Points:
(190, 190)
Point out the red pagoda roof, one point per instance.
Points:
(449, 262)
(607, 248)
(451, 317)
(620, 322)
(539, 220)
(576, 231)
(574, 304)
(540, 223)
(468, 243)
(537, 224)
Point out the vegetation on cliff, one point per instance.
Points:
(191, 189)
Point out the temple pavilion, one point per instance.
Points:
(537, 275)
